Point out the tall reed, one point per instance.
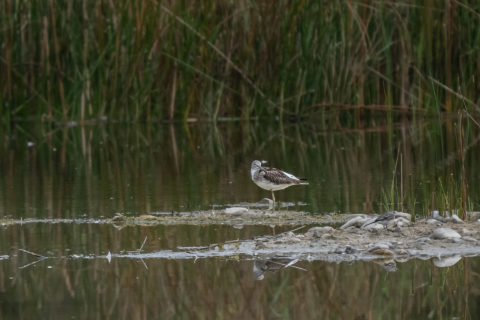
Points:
(153, 60)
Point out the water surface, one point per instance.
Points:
(97, 171)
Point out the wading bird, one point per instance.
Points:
(273, 179)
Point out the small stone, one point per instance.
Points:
(434, 221)
(456, 219)
(381, 252)
(468, 238)
(445, 233)
(236, 210)
(350, 250)
(401, 252)
(328, 236)
(380, 245)
(118, 217)
(423, 239)
(403, 215)
(266, 201)
(401, 222)
(443, 262)
(374, 226)
(339, 250)
(147, 217)
(473, 215)
(317, 232)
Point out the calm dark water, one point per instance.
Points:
(96, 171)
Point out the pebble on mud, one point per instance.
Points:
(423, 239)
(381, 252)
(445, 233)
(434, 221)
(473, 215)
(380, 245)
(403, 215)
(443, 262)
(468, 238)
(466, 231)
(374, 226)
(317, 232)
(235, 210)
(456, 219)
(401, 222)
(147, 217)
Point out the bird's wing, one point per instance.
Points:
(291, 176)
(279, 177)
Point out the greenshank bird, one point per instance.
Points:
(273, 179)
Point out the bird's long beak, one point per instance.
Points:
(263, 161)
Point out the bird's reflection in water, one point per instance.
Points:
(260, 267)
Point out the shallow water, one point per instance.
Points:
(95, 172)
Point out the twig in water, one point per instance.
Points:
(39, 256)
(32, 263)
(291, 264)
(32, 253)
(141, 247)
(144, 264)
(296, 229)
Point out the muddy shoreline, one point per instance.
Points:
(386, 247)
(334, 238)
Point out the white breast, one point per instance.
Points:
(270, 186)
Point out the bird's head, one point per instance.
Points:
(256, 164)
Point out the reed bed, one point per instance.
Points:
(162, 60)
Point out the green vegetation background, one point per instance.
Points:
(155, 60)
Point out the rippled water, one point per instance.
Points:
(61, 270)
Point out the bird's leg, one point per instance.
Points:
(273, 198)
